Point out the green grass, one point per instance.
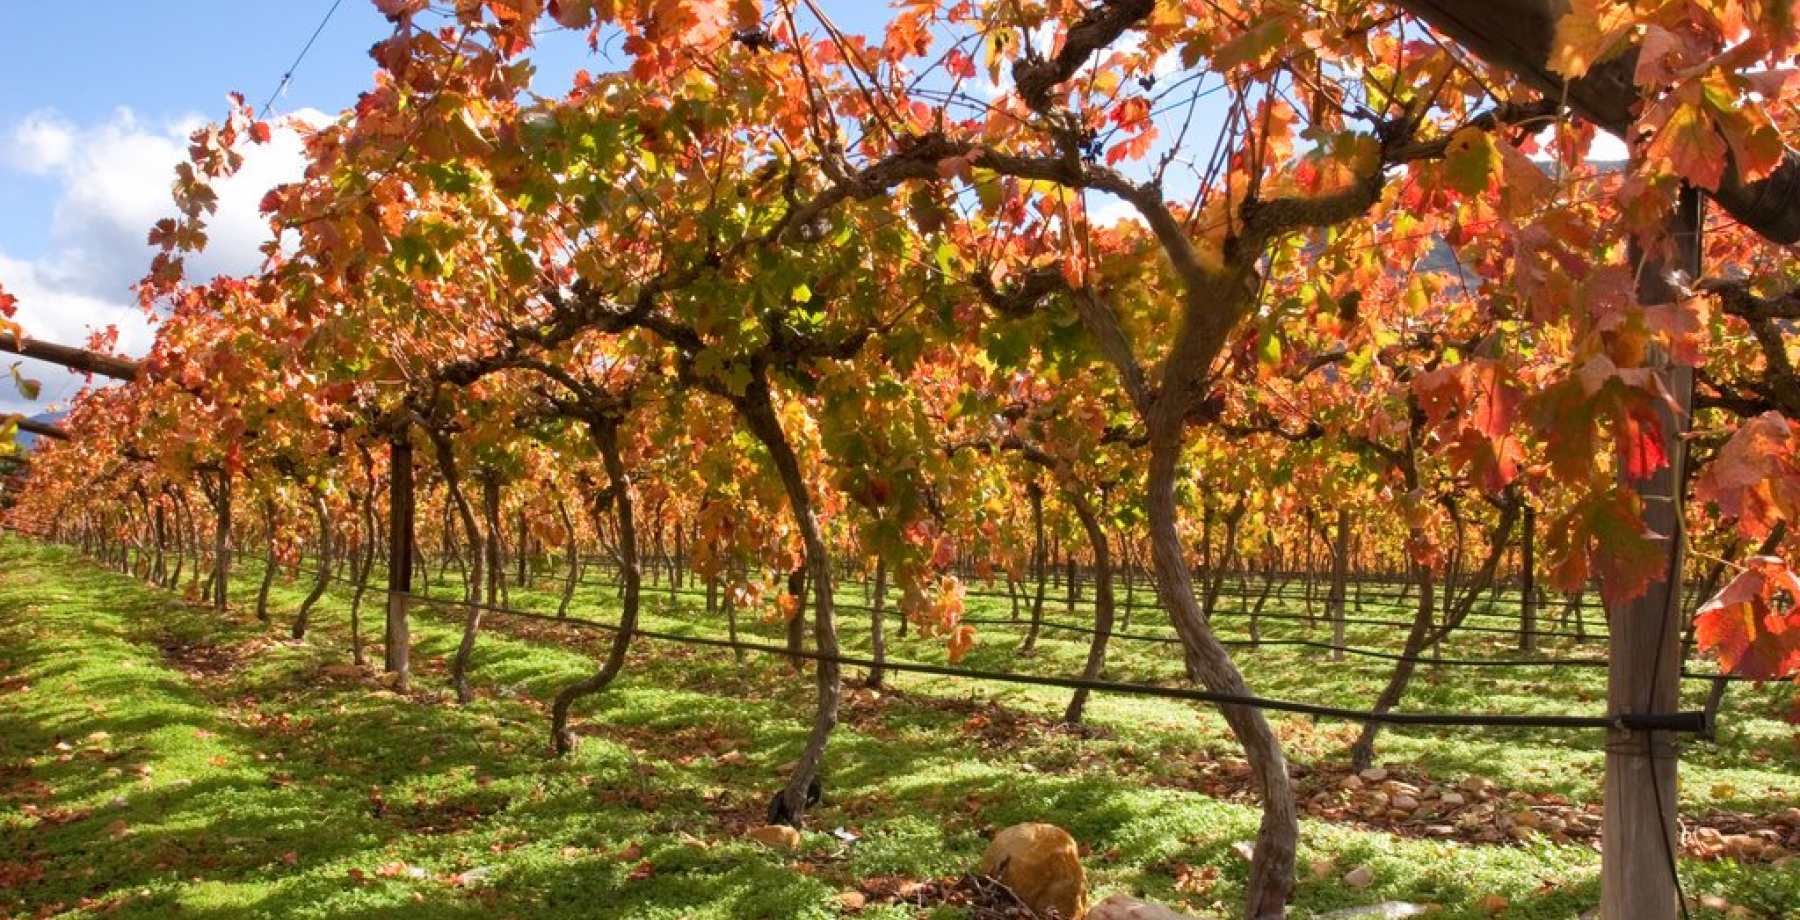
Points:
(159, 761)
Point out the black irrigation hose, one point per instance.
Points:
(1261, 643)
(1364, 621)
(1352, 650)
(1296, 643)
(1229, 590)
(1352, 621)
(1696, 722)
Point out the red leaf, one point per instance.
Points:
(1640, 436)
(1751, 625)
(1755, 478)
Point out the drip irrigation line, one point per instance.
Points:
(1230, 643)
(1546, 611)
(1590, 637)
(1514, 631)
(1347, 649)
(1349, 595)
(1295, 643)
(1265, 615)
(1695, 722)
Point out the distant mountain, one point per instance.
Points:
(26, 440)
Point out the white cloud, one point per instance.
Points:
(41, 143)
(1105, 210)
(1606, 147)
(54, 313)
(112, 183)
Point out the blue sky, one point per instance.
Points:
(170, 62)
(96, 100)
(165, 63)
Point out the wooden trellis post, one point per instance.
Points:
(400, 557)
(1642, 840)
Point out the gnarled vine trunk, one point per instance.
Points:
(365, 564)
(606, 437)
(446, 457)
(322, 517)
(573, 575)
(1423, 635)
(268, 576)
(877, 628)
(1103, 600)
(758, 411)
(1272, 858)
(1040, 566)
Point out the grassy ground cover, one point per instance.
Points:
(156, 761)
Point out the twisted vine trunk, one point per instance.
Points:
(222, 542)
(498, 591)
(1040, 564)
(758, 412)
(268, 577)
(180, 541)
(446, 457)
(1362, 753)
(574, 573)
(397, 634)
(1340, 566)
(1528, 626)
(465, 649)
(1423, 636)
(1262, 599)
(606, 437)
(196, 541)
(524, 548)
(323, 518)
(1272, 858)
(731, 625)
(877, 629)
(1103, 600)
(160, 571)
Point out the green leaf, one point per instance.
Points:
(1009, 345)
(946, 258)
(1470, 160)
(1268, 351)
(28, 387)
(801, 293)
(1252, 43)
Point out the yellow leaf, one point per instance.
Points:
(1691, 147)
(1587, 35)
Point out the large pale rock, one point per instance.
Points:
(1386, 910)
(775, 836)
(1042, 865)
(1120, 907)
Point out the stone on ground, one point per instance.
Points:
(1120, 907)
(1386, 910)
(775, 836)
(1042, 865)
